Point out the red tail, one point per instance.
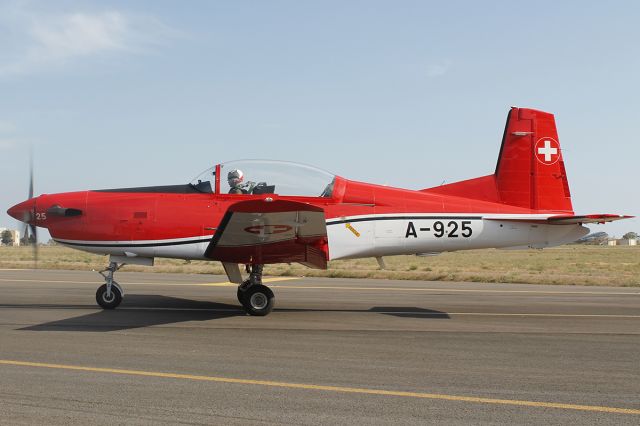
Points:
(530, 172)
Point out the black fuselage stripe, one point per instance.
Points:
(174, 243)
(167, 189)
(216, 237)
(373, 218)
(214, 240)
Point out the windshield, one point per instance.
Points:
(205, 181)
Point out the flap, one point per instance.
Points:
(261, 232)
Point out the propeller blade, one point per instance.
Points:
(34, 233)
(27, 216)
(25, 234)
(31, 175)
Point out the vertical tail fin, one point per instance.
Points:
(530, 172)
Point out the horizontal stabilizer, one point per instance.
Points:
(590, 218)
(562, 219)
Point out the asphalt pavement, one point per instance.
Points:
(334, 351)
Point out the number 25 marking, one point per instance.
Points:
(452, 229)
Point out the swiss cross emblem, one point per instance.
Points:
(547, 151)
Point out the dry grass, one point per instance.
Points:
(573, 265)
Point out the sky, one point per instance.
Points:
(412, 94)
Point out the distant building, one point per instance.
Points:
(623, 242)
(15, 235)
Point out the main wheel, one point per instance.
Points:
(257, 300)
(108, 302)
(241, 292)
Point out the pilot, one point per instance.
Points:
(235, 178)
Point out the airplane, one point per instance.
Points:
(291, 212)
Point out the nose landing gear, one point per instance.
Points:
(109, 295)
(256, 298)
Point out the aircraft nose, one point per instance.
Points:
(23, 211)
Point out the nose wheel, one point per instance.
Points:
(256, 298)
(109, 295)
(106, 300)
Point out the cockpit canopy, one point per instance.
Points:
(267, 177)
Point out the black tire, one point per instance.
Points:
(240, 295)
(242, 289)
(258, 300)
(106, 303)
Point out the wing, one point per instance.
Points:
(563, 219)
(262, 232)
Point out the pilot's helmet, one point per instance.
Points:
(235, 177)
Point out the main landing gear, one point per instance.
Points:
(109, 294)
(256, 298)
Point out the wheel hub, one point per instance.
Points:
(259, 301)
(108, 299)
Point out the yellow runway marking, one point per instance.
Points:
(345, 288)
(426, 314)
(264, 280)
(97, 281)
(341, 389)
(455, 290)
(498, 314)
(17, 280)
(347, 311)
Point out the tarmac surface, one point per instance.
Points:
(334, 351)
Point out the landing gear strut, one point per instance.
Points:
(109, 294)
(256, 298)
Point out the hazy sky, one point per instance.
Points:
(405, 93)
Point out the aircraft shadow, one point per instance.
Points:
(404, 312)
(396, 311)
(139, 311)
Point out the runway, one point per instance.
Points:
(180, 350)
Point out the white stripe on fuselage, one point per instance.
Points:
(129, 243)
(191, 248)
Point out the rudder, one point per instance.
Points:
(530, 172)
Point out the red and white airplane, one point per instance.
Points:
(297, 213)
